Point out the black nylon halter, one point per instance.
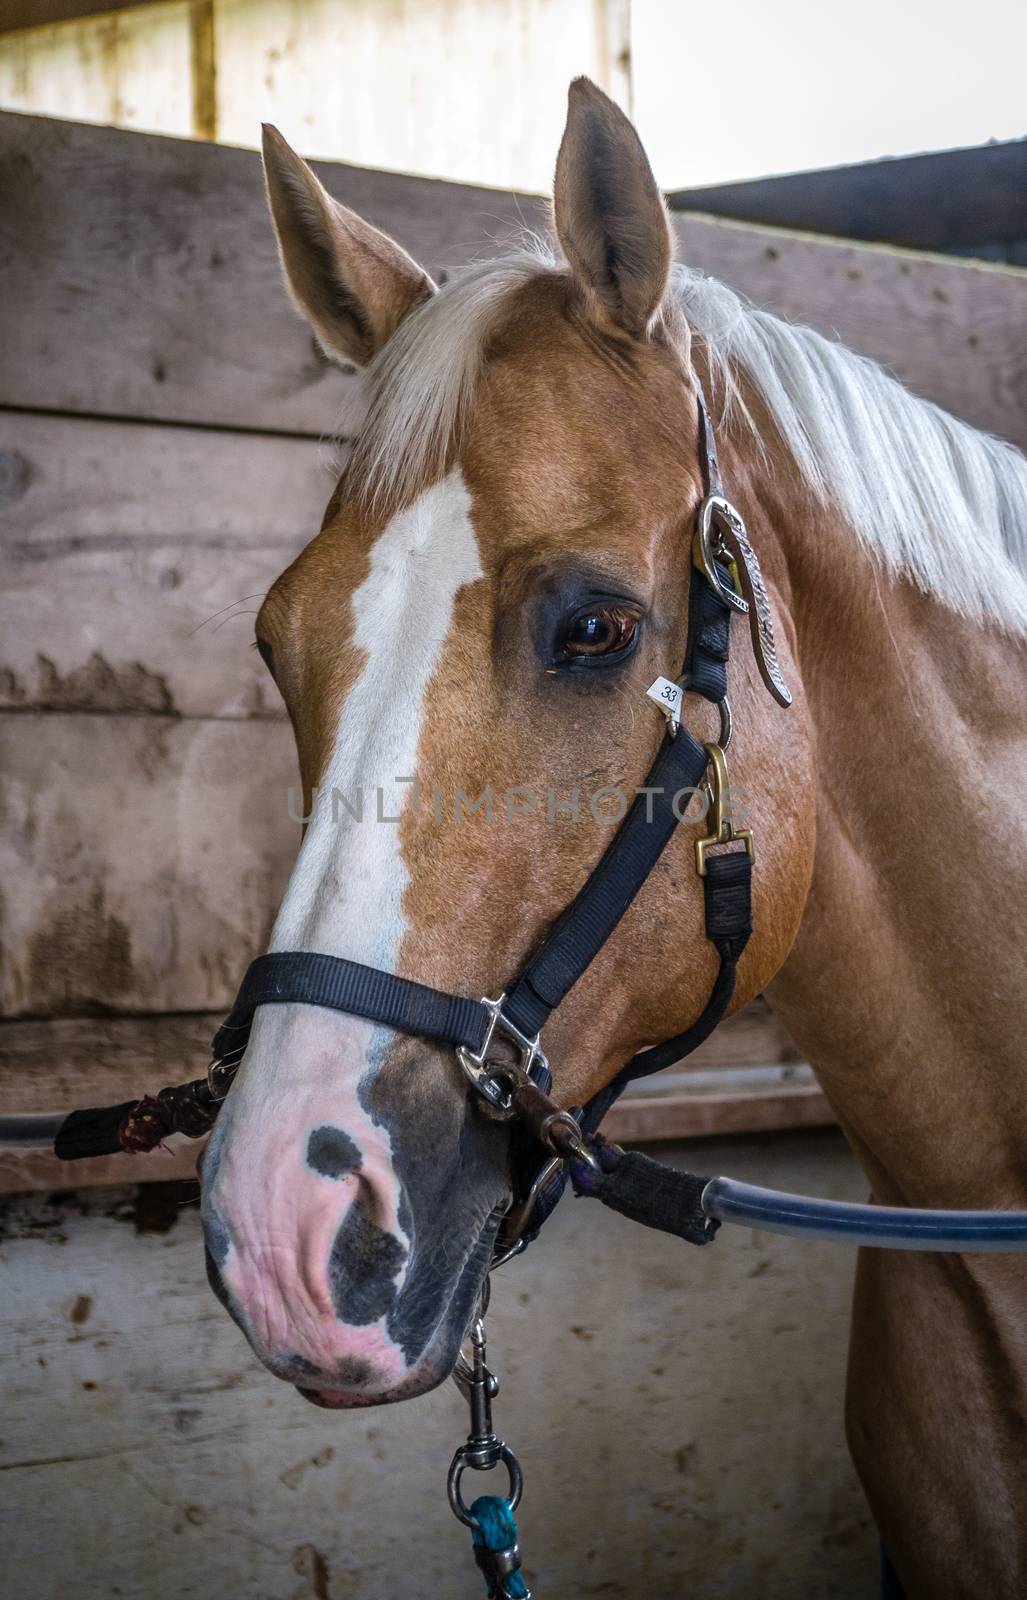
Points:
(584, 926)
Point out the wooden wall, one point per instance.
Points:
(162, 412)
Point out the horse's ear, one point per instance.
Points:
(353, 283)
(609, 214)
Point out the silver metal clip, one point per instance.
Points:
(482, 1452)
(486, 1073)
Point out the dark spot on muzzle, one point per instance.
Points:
(332, 1153)
(362, 1268)
(349, 1372)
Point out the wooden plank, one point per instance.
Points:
(44, 13)
(945, 200)
(141, 277)
(955, 332)
(65, 1062)
(132, 559)
(58, 1065)
(40, 1172)
(643, 1119)
(142, 281)
(142, 860)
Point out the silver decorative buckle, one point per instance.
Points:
(490, 1076)
(714, 513)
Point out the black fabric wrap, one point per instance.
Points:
(584, 926)
(646, 1191)
(92, 1132)
(728, 902)
(320, 980)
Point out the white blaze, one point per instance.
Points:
(304, 1065)
(345, 897)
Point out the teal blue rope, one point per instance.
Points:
(495, 1528)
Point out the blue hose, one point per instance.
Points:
(23, 1130)
(886, 1227)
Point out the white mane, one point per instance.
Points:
(928, 495)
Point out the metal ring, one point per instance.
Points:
(723, 709)
(459, 1466)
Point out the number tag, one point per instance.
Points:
(669, 697)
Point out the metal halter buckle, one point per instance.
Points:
(486, 1074)
(707, 550)
(722, 831)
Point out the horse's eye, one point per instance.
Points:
(264, 651)
(601, 630)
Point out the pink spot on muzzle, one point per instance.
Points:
(311, 1203)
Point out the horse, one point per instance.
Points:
(464, 651)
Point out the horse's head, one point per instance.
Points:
(464, 651)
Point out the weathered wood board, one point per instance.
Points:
(654, 1406)
(955, 332)
(141, 280)
(50, 1065)
(133, 558)
(141, 277)
(142, 859)
(63, 1063)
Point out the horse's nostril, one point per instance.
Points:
(362, 1268)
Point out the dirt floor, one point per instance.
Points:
(677, 1412)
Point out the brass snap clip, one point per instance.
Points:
(718, 789)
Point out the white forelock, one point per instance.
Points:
(929, 496)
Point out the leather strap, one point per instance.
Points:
(709, 463)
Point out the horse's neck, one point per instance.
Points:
(906, 983)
